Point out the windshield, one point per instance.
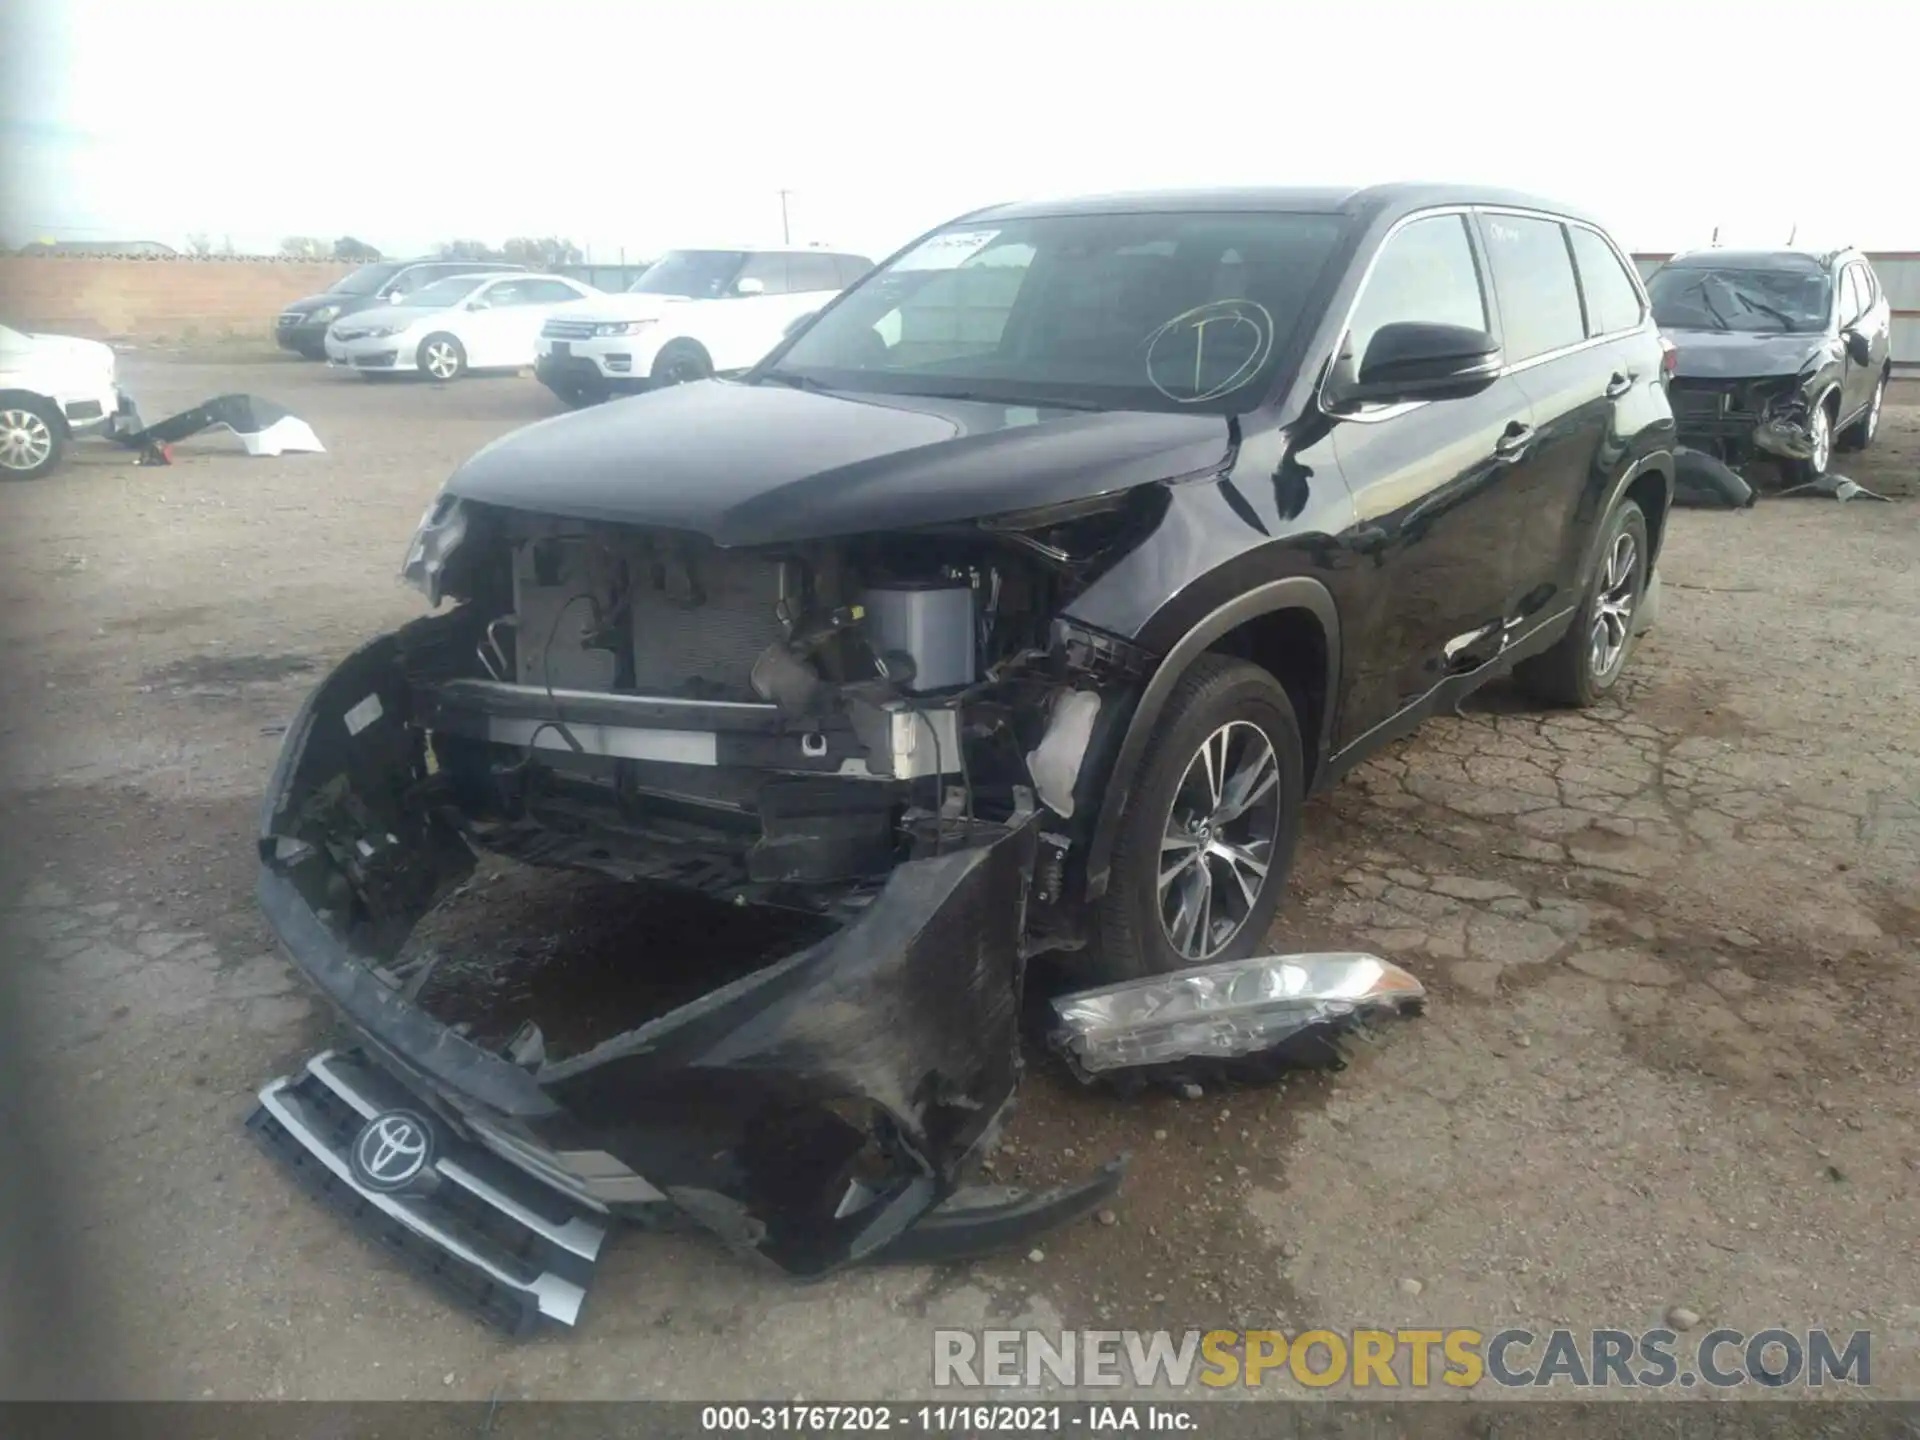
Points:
(695, 274)
(1108, 312)
(1714, 297)
(367, 280)
(443, 293)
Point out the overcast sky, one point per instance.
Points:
(643, 124)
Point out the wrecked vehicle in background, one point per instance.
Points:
(1013, 605)
(1782, 354)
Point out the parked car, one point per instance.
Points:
(1781, 353)
(461, 323)
(1014, 603)
(302, 326)
(52, 388)
(694, 313)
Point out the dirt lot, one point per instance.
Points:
(1670, 1059)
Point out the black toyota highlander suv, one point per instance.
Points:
(1016, 602)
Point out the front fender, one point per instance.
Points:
(1294, 592)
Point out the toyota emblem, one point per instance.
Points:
(392, 1150)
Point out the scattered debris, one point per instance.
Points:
(1681, 1318)
(1703, 482)
(1837, 486)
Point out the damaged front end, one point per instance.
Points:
(1735, 420)
(848, 735)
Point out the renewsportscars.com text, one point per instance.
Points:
(1403, 1359)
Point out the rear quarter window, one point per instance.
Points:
(1612, 302)
(1533, 278)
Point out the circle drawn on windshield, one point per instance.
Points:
(1222, 328)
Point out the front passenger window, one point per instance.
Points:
(1425, 272)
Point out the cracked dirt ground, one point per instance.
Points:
(1671, 943)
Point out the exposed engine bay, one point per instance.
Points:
(765, 726)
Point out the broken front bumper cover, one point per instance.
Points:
(820, 1111)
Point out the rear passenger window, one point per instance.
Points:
(1533, 276)
(1426, 272)
(1612, 302)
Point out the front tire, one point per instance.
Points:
(1207, 837)
(1860, 434)
(1587, 661)
(441, 357)
(32, 438)
(1820, 428)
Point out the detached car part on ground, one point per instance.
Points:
(1783, 355)
(955, 640)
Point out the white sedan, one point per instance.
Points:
(52, 388)
(462, 323)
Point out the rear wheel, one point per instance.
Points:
(1586, 662)
(1207, 838)
(32, 437)
(1859, 435)
(681, 361)
(441, 357)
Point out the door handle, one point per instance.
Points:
(1515, 439)
(1620, 384)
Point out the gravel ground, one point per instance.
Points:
(1671, 946)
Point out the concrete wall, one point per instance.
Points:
(1899, 272)
(155, 299)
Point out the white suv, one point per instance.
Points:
(693, 314)
(52, 387)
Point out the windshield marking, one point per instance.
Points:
(1242, 313)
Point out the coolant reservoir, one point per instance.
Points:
(933, 622)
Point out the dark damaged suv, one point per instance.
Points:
(1782, 354)
(1014, 604)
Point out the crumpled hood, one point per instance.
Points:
(766, 464)
(1733, 355)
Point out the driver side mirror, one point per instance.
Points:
(750, 286)
(394, 297)
(479, 302)
(1859, 348)
(1415, 360)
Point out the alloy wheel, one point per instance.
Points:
(1613, 610)
(442, 363)
(25, 440)
(1820, 429)
(1219, 839)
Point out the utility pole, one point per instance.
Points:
(786, 232)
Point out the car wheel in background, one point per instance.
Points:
(441, 357)
(32, 437)
(1859, 435)
(681, 361)
(1587, 661)
(1207, 838)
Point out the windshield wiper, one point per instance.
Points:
(1712, 309)
(1785, 319)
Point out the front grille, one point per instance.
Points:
(559, 329)
(1698, 404)
(487, 1234)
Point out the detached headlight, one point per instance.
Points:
(441, 530)
(324, 314)
(621, 327)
